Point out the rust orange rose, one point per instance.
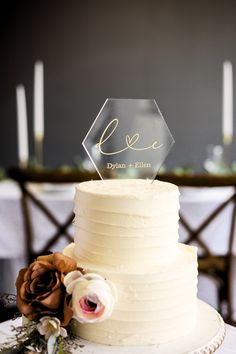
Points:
(40, 288)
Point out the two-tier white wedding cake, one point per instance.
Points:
(127, 232)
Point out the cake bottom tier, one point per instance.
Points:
(152, 307)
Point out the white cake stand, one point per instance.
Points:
(206, 338)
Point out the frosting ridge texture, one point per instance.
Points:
(127, 232)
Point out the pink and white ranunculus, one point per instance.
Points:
(93, 298)
(50, 326)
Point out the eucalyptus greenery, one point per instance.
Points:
(27, 340)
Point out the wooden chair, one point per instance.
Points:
(23, 177)
(216, 266)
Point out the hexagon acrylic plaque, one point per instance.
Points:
(128, 139)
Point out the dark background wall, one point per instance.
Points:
(165, 49)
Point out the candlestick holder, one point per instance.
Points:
(218, 159)
(39, 151)
(226, 157)
(23, 164)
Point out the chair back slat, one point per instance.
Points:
(26, 176)
(219, 267)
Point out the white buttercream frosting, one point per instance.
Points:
(126, 224)
(127, 231)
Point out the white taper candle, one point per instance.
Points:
(22, 126)
(38, 101)
(227, 119)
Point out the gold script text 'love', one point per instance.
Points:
(130, 141)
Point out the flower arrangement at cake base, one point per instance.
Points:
(52, 293)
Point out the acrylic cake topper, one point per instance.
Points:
(128, 139)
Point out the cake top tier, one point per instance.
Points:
(141, 189)
(126, 224)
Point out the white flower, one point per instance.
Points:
(69, 250)
(32, 349)
(93, 298)
(50, 326)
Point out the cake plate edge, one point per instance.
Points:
(206, 338)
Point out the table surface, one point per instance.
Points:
(228, 346)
